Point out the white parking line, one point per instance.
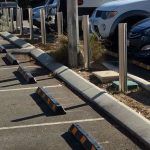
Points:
(50, 124)
(30, 88)
(16, 67)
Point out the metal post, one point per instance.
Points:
(43, 27)
(21, 21)
(123, 57)
(11, 19)
(73, 32)
(85, 26)
(60, 23)
(31, 22)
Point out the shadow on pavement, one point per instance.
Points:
(77, 106)
(28, 117)
(39, 72)
(4, 86)
(8, 80)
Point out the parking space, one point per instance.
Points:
(25, 60)
(27, 107)
(10, 78)
(27, 123)
(55, 136)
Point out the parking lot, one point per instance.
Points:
(26, 122)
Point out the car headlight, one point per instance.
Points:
(111, 14)
(105, 14)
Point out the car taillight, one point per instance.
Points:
(80, 2)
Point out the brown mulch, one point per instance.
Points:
(137, 100)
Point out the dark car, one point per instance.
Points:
(139, 35)
(139, 38)
(25, 4)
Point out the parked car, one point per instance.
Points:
(30, 3)
(139, 37)
(36, 3)
(48, 5)
(87, 7)
(25, 4)
(84, 7)
(105, 19)
(50, 12)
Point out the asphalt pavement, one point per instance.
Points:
(27, 123)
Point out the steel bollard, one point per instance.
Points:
(123, 57)
(60, 23)
(31, 22)
(85, 26)
(43, 27)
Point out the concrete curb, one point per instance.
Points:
(19, 51)
(140, 64)
(126, 117)
(143, 83)
(132, 121)
(15, 40)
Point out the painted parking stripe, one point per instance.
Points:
(30, 88)
(9, 68)
(51, 124)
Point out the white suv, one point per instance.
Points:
(105, 19)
